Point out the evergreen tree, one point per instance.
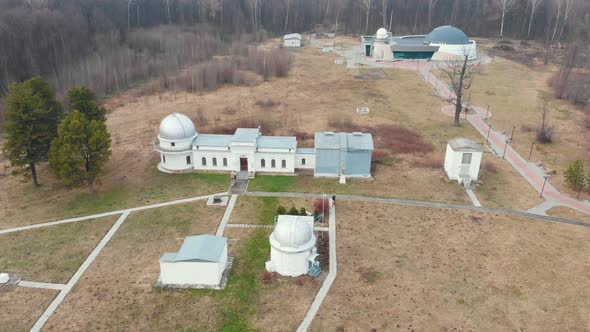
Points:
(303, 212)
(281, 210)
(32, 114)
(293, 211)
(80, 151)
(82, 99)
(575, 173)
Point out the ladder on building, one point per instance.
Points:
(314, 271)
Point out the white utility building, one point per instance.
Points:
(200, 263)
(381, 48)
(293, 247)
(462, 160)
(292, 40)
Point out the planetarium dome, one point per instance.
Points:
(292, 232)
(177, 126)
(447, 34)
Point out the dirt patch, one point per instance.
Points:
(564, 212)
(21, 307)
(446, 270)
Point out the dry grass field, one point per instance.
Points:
(22, 306)
(425, 269)
(564, 212)
(51, 254)
(261, 210)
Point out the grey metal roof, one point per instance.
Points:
(277, 142)
(212, 140)
(292, 36)
(408, 40)
(447, 34)
(246, 135)
(204, 248)
(464, 144)
(348, 141)
(305, 151)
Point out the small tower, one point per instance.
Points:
(381, 47)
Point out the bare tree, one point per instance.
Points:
(390, 20)
(168, 11)
(558, 6)
(534, 5)
(287, 15)
(431, 4)
(384, 12)
(460, 74)
(545, 132)
(504, 6)
(367, 5)
(568, 7)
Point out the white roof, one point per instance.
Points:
(199, 248)
(464, 144)
(292, 36)
(293, 232)
(177, 126)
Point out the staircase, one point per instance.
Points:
(314, 271)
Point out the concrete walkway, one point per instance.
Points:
(472, 197)
(542, 208)
(248, 226)
(226, 215)
(408, 202)
(106, 214)
(321, 295)
(42, 285)
(76, 277)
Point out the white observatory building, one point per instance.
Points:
(381, 48)
(462, 160)
(293, 247)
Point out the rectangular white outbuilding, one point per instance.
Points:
(462, 160)
(200, 263)
(292, 40)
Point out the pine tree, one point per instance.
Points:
(82, 99)
(80, 151)
(32, 114)
(575, 173)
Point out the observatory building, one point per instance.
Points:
(293, 247)
(462, 160)
(440, 44)
(292, 40)
(182, 149)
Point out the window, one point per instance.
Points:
(283, 163)
(204, 161)
(273, 164)
(188, 160)
(172, 144)
(466, 160)
(224, 162)
(262, 163)
(163, 159)
(214, 161)
(302, 161)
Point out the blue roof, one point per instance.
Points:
(305, 151)
(246, 135)
(447, 34)
(347, 141)
(204, 248)
(277, 142)
(212, 140)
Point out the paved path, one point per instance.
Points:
(42, 285)
(542, 208)
(472, 197)
(226, 215)
(408, 202)
(248, 226)
(106, 214)
(321, 295)
(76, 277)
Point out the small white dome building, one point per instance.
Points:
(293, 247)
(381, 48)
(175, 138)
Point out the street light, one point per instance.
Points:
(581, 185)
(546, 176)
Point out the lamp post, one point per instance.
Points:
(546, 176)
(531, 152)
(581, 185)
(488, 137)
(505, 146)
(323, 202)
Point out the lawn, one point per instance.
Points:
(51, 254)
(441, 270)
(21, 307)
(262, 210)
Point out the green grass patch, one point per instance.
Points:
(272, 183)
(268, 210)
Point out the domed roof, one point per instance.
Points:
(447, 34)
(177, 126)
(293, 231)
(381, 33)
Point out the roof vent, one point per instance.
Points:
(329, 133)
(357, 133)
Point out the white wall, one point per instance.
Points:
(309, 161)
(179, 145)
(292, 43)
(176, 161)
(278, 157)
(292, 264)
(459, 50)
(382, 51)
(191, 273)
(209, 155)
(453, 163)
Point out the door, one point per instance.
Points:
(368, 50)
(243, 164)
(465, 165)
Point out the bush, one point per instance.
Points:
(266, 277)
(281, 210)
(293, 211)
(299, 281)
(317, 206)
(302, 212)
(545, 135)
(574, 175)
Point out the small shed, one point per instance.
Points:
(292, 40)
(343, 154)
(293, 247)
(200, 263)
(463, 159)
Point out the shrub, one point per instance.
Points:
(268, 103)
(545, 135)
(302, 212)
(281, 210)
(266, 277)
(574, 175)
(379, 156)
(299, 281)
(317, 206)
(293, 211)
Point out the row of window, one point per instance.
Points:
(273, 163)
(213, 161)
